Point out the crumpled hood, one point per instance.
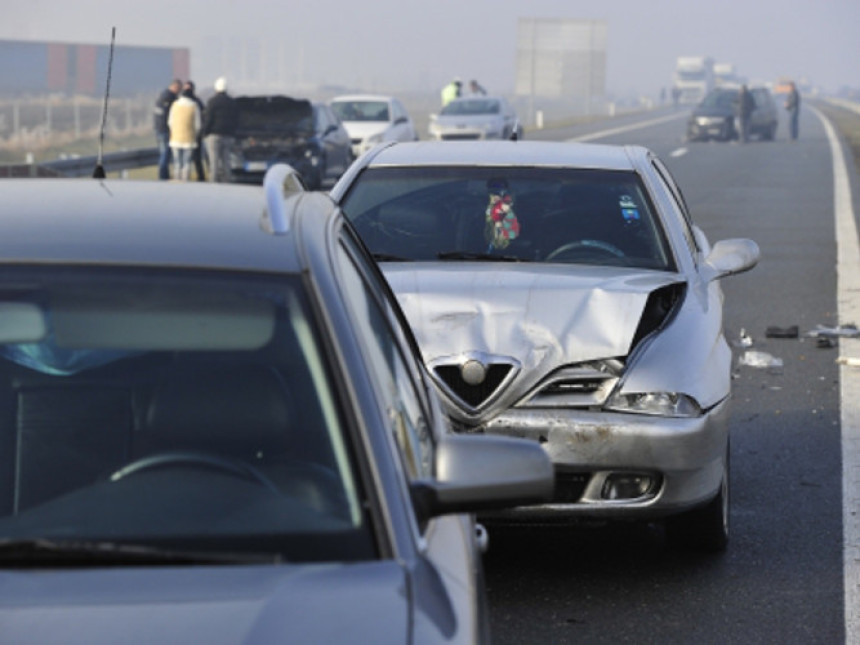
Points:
(541, 315)
(360, 603)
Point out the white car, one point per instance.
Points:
(370, 119)
(476, 117)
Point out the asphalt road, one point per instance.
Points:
(781, 580)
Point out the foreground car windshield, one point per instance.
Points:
(168, 412)
(528, 214)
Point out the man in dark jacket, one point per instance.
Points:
(792, 104)
(197, 155)
(162, 132)
(219, 129)
(746, 105)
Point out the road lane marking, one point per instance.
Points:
(848, 302)
(627, 128)
(680, 152)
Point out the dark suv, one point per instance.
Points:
(715, 117)
(280, 129)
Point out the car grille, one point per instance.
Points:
(471, 136)
(580, 386)
(472, 395)
(569, 487)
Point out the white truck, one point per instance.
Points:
(726, 74)
(694, 77)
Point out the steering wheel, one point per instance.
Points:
(585, 247)
(236, 468)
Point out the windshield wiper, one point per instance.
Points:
(50, 553)
(471, 255)
(388, 257)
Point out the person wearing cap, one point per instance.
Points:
(221, 118)
(451, 91)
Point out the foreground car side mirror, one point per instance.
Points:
(479, 472)
(729, 257)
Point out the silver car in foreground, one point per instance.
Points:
(216, 428)
(561, 292)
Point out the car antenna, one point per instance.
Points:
(99, 170)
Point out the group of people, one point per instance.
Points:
(454, 90)
(184, 125)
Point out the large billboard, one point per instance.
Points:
(561, 59)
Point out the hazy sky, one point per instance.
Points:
(386, 44)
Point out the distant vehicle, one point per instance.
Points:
(370, 119)
(216, 428)
(476, 117)
(782, 85)
(694, 78)
(715, 117)
(726, 74)
(280, 129)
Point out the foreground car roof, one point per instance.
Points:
(138, 223)
(506, 153)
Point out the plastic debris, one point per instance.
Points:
(744, 339)
(782, 332)
(842, 331)
(754, 358)
(825, 342)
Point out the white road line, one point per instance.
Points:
(848, 301)
(628, 128)
(679, 152)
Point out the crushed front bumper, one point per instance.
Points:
(683, 458)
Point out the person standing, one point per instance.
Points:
(162, 131)
(184, 122)
(451, 91)
(197, 155)
(476, 88)
(792, 104)
(746, 104)
(219, 131)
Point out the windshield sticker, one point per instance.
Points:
(625, 201)
(502, 224)
(630, 214)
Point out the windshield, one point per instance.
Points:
(720, 99)
(160, 412)
(544, 215)
(361, 110)
(472, 106)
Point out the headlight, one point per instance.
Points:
(709, 120)
(664, 404)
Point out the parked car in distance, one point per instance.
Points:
(716, 116)
(370, 119)
(216, 428)
(561, 292)
(476, 117)
(280, 129)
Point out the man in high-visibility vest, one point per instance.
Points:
(451, 91)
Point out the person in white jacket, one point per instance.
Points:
(184, 121)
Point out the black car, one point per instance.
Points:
(215, 427)
(280, 129)
(715, 117)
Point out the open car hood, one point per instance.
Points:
(538, 315)
(274, 115)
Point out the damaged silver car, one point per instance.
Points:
(561, 292)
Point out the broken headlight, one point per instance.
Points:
(664, 404)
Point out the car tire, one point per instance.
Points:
(704, 529)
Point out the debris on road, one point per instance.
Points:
(842, 331)
(782, 332)
(759, 359)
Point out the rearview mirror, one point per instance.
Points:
(479, 472)
(729, 257)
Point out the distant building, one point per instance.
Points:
(32, 68)
(560, 58)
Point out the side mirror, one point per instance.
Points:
(730, 257)
(399, 120)
(480, 472)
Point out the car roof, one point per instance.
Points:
(144, 223)
(507, 153)
(362, 97)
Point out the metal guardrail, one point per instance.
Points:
(83, 166)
